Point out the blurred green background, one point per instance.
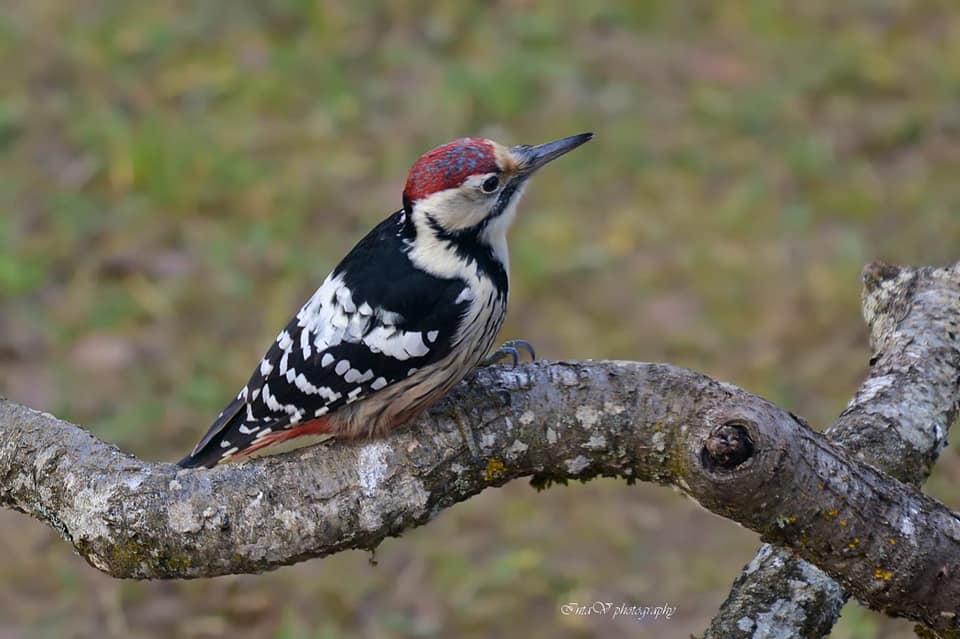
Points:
(176, 177)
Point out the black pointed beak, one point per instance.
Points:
(530, 158)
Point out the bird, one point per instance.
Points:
(412, 309)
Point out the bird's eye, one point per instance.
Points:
(490, 184)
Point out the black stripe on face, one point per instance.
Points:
(506, 197)
(467, 245)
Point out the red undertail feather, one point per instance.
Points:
(320, 426)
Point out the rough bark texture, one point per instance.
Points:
(738, 455)
(897, 421)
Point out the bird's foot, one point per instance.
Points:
(510, 349)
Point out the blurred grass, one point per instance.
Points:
(177, 177)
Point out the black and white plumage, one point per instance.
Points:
(410, 310)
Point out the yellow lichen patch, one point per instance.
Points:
(880, 573)
(854, 543)
(495, 469)
(833, 512)
(893, 542)
(843, 522)
(820, 485)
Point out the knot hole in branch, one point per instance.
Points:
(728, 446)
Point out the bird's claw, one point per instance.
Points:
(502, 353)
(511, 349)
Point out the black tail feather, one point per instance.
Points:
(208, 453)
(205, 458)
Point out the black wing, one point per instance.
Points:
(375, 320)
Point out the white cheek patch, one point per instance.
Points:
(457, 208)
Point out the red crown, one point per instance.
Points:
(448, 165)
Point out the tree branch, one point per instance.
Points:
(735, 453)
(894, 548)
(897, 421)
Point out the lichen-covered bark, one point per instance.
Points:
(740, 456)
(897, 421)
(735, 453)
